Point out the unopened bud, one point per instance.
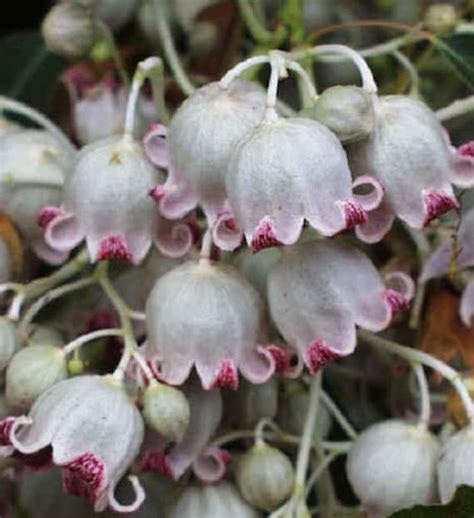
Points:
(9, 341)
(31, 371)
(441, 18)
(69, 30)
(75, 366)
(265, 476)
(166, 410)
(345, 110)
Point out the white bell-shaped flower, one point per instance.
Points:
(392, 465)
(455, 466)
(33, 168)
(91, 429)
(320, 291)
(201, 137)
(409, 152)
(211, 501)
(287, 171)
(107, 203)
(207, 315)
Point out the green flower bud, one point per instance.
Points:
(265, 476)
(441, 18)
(166, 410)
(346, 110)
(75, 366)
(9, 341)
(31, 371)
(44, 335)
(69, 30)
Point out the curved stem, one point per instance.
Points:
(240, 68)
(48, 297)
(425, 406)
(319, 470)
(72, 267)
(15, 106)
(307, 437)
(171, 54)
(411, 70)
(255, 27)
(456, 109)
(109, 39)
(338, 415)
(89, 337)
(416, 356)
(206, 246)
(145, 69)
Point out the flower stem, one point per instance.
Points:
(456, 109)
(416, 356)
(15, 106)
(74, 345)
(425, 406)
(255, 27)
(338, 415)
(147, 68)
(171, 54)
(48, 297)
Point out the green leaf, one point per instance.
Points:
(458, 49)
(461, 506)
(29, 72)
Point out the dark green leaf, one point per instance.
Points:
(458, 49)
(461, 506)
(29, 71)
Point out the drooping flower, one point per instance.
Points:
(212, 501)
(107, 203)
(409, 152)
(202, 135)
(33, 168)
(459, 254)
(91, 101)
(205, 314)
(320, 291)
(91, 429)
(454, 467)
(194, 451)
(287, 171)
(392, 465)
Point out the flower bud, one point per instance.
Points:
(346, 110)
(441, 17)
(166, 410)
(392, 465)
(68, 30)
(455, 466)
(31, 371)
(211, 501)
(265, 476)
(9, 341)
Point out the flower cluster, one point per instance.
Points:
(195, 367)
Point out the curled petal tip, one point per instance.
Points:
(264, 236)
(354, 214)
(114, 247)
(396, 300)
(466, 150)
(155, 460)
(116, 506)
(47, 214)
(437, 203)
(5, 427)
(84, 476)
(227, 375)
(319, 354)
(157, 193)
(281, 357)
